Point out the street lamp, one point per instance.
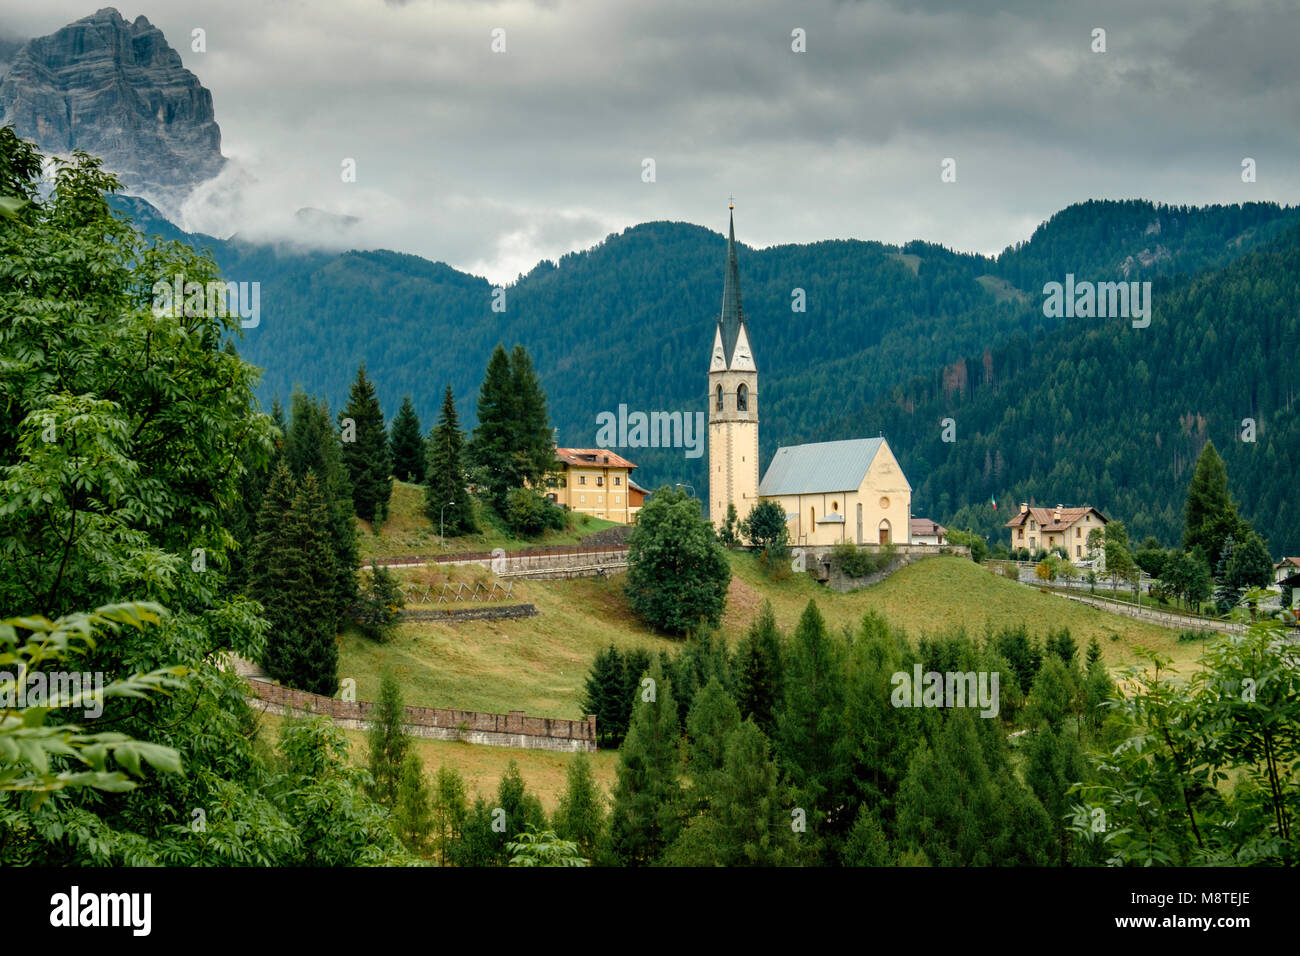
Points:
(442, 537)
(682, 484)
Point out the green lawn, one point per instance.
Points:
(538, 664)
(407, 530)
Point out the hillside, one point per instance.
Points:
(1101, 413)
(539, 664)
(629, 321)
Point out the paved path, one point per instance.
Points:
(1163, 618)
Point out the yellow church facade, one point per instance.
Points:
(831, 492)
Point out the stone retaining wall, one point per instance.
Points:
(502, 730)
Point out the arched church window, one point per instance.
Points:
(742, 398)
(719, 398)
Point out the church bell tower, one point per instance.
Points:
(733, 403)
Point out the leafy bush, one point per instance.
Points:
(528, 514)
(379, 604)
(855, 562)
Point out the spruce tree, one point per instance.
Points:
(412, 815)
(712, 718)
(450, 812)
(757, 671)
(312, 445)
(446, 500)
(810, 723)
(1210, 515)
(493, 447)
(292, 577)
(388, 742)
(366, 457)
(533, 439)
(645, 815)
(607, 696)
(580, 815)
(406, 444)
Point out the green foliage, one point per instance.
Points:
(529, 514)
(406, 444)
(447, 502)
(979, 546)
(367, 459)
(1250, 565)
(1210, 514)
(677, 571)
(765, 528)
(37, 757)
(293, 576)
(511, 445)
(855, 562)
(644, 818)
(533, 848)
(757, 671)
(379, 604)
(412, 812)
(730, 533)
(388, 742)
(580, 815)
(450, 813)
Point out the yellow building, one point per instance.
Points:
(831, 491)
(596, 482)
(1049, 528)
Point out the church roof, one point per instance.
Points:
(732, 319)
(823, 466)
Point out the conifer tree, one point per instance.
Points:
(533, 427)
(450, 811)
(1210, 514)
(312, 445)
(645, 815)
(406, 444)
(292, 576)
(810, 723)
(608, 696)
(388, 742)
(757, 671)
(412, 811)
(446, 499)
(867, 844)
(493, 448)
(580, 815)
(366, 456)
(712, 718)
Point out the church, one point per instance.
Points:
(831, 491)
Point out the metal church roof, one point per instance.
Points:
(823, 466)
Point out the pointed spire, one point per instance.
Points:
(732, 319)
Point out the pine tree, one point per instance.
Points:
(521, 808)
(450, 812)
(366, 457)
(644, 820)
(406, 444)
(312, 445)
(1210, 515)
(607, 696)
(580, 815)
(446, 500)
(493, 447)
(412, 813)
(867, 844)
(533, 439)
(810, 723)
(388, 742)
(757, 670)
(712, 718)
(292, 576)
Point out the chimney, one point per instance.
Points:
(1024, 506)
(1058, 512)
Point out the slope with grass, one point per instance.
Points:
(539, 664)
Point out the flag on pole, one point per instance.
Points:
(994, 502)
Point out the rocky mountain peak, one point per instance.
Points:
(118, 90)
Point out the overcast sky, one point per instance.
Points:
(492, 161)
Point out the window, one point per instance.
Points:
(600, 481)
(742, 398)
(617, 481)
(884, 503)
(1078, 550)
(600, 499)
(719, 398)
(1078, 532)
(1021, 534)
(582, 479)
(582, 499)
(835, 507)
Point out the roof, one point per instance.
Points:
(925, 527)
(635, 487)
(1288, 563)
(732, 318)
(591, 458)
(1046, 517)
(824, 466)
